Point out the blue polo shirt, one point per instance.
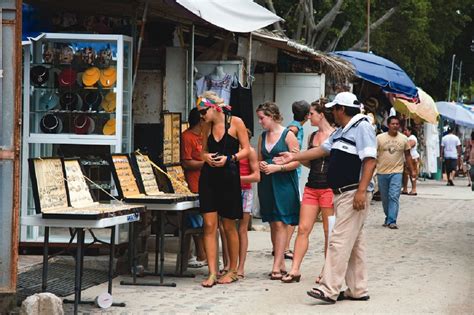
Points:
(348, 147)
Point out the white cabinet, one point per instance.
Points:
(77, 93)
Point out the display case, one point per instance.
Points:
(60, 192)
(77, 93)
(131, 181)
(171, 138)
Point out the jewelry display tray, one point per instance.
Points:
(53, 198)
(133, 190)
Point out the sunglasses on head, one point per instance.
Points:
(203, 112)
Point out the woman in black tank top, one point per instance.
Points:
(317, 195)
(219, 183)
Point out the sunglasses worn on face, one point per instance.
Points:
(203, 112)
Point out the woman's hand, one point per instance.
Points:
(208, 158)
(219, 161)
(262, 165)
(270, 169)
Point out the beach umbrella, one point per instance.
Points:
(380, 71)
(422, 111)
(456, 112)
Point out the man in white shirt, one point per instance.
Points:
(450, 152)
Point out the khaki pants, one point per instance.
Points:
(345, 258)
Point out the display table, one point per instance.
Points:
(159, 209)
(79, 227)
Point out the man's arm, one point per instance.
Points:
(311, 154)
(368, 167)
(192, 164)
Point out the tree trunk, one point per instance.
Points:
(271, 7)
(328, 19)
(360, 44)
(332, 46)
(300, 10)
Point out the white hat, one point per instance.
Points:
(345, 99)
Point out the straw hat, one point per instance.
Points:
(110, 102)
(91, 76)
(108, 77)
(91, 100)
(109, 127)
(39, 75)
(83, 124)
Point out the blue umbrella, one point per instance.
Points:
(380, 71)
(457, 112)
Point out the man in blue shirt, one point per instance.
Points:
(353, 149)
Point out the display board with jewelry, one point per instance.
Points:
(146, 175)
(126, 181)
(60, 191)
(171, 138)
(73, 87)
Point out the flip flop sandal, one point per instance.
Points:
(342, 297)
(404, 193)
(318, 294)
(283, 272)
(232, 274)
(240, 276)
(289, 254)
(212, 277)
(412, 194)
(289, 278)
(276, 276)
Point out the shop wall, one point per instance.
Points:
(174, 88)
(290, 87)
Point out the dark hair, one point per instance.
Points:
(349, 111)
(194, 117)
(300, 110)
(270, 109)
(472, 136)
(450, 130)
(412, 130)
(320, 108)
(389, 120)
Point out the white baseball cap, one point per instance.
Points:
(345, 99)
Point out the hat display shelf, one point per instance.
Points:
(77, 91)
(61, 192)
(130, 189)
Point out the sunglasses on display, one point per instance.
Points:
(203, 112)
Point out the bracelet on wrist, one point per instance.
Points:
(234, 157)
(282, 168)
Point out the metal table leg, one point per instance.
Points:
(111, 258)
(160, 233)
(44, 283)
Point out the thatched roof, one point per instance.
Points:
(334, 67)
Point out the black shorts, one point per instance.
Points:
(451, 165)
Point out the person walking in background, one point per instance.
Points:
(450, 152)
(224, 143)
(278, 188)
(352, 150)
(470, 159)
(415, 156)
(317, 196)
(191, 147)
(392, 152)
(300, 111)
(249, 173)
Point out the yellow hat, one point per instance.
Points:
(91, 76)
(108, 77)
(110, 102)
(109, 127)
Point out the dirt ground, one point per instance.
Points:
(427, 266)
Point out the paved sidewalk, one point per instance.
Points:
(427, 266)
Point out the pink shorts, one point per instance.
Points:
(324, 198)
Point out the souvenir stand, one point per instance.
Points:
(62, 199)
(76, 102)
(138, 183)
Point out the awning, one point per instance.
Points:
(241, 16)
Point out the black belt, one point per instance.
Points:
(338, 191)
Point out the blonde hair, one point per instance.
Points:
(270, 109)
(213, 96)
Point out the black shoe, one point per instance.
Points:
(393, 226)
(342, 297)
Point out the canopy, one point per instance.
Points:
(457, 112)
(422, 111)
(381, 72)
(241, 16)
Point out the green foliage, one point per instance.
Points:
(421, 36)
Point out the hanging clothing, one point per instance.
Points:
(219, 187)
(278, 193)
(221, 86)
(242, 104)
